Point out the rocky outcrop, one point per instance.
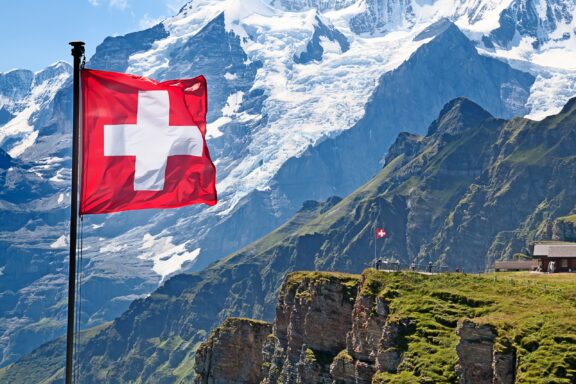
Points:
(311, 319)
(343, 329)
(479, 361)
(381, 16)
(564, 228)
(233, 353)
(375, 341)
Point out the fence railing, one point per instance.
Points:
(392, 265)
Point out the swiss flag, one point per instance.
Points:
(380, 233)
(143, 143)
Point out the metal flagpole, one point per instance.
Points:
(375, 241)
(77, 53)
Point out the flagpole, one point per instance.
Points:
(77, 53)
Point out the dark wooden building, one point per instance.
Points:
(516, 265)
(555, 256)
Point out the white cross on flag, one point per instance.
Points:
(143, 143)
(380, 233)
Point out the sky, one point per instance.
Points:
(35, 33)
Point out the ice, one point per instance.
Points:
(560, 84)
(167, 258)
(62, 242)
(306, 103)
(20, 129)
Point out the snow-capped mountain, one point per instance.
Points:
(305, 98)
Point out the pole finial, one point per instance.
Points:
(77, 48)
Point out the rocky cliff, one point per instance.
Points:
(564, 228)
(405, 328)
(233, 352)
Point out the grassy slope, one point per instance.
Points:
(534, 313)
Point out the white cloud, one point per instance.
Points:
(146, 21)
(175, 5)
(118, 4)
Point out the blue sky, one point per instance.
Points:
(35, 33)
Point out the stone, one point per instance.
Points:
(233, 353)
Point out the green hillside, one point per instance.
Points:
(534, 315)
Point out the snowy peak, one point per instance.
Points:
(17, 85)
(435, 29)
(381, 16)
(114, 52)
(320, 5)
(48, 74)
(14, 86)
(542, 20)
(24, 100)
(503, 22)
(324, 37)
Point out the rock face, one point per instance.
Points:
(381, 16)
(478, 361)
(564, 229)
(338, 329)
(233, 353)
(535, 19)
(310, 322)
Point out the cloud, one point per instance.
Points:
(175, 5)
(118, 4)
(146, 21)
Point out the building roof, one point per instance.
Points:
(516, 264)
(555, 249)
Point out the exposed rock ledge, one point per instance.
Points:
(348, 329)
(233, 353)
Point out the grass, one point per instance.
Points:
(535, 314)
(530, 156)
(568, 219)
(347, 280)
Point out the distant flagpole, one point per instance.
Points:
(78, 54)
(375, 241)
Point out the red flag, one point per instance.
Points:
(143, 143)
(380, 233)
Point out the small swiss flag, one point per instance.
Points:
(143, 143)
(380, 233)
